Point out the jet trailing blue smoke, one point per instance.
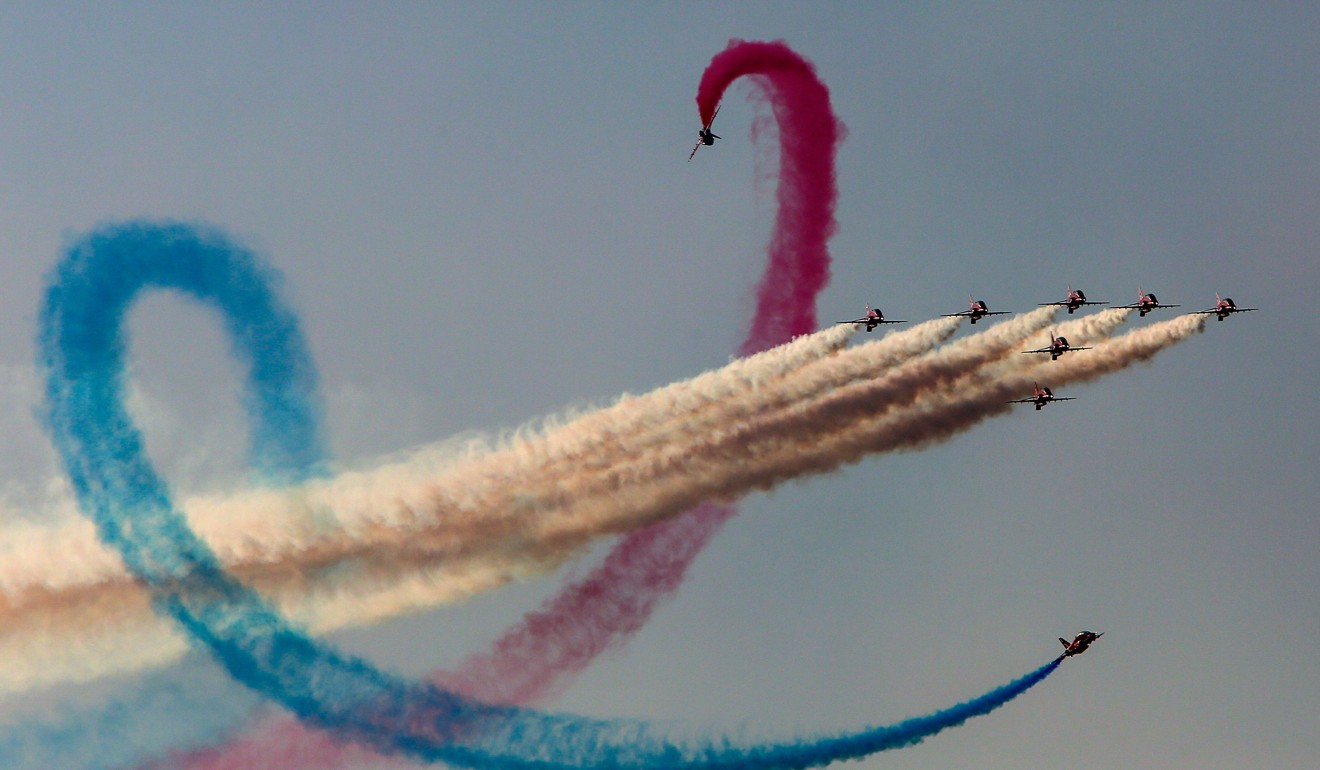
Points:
(81, 348)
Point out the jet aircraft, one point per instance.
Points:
(1224, 308)
(1041, 397)
(705, 135)
(976, 310)
(1079, 644)
(1076, 298)
(1057, 347)
(872, 319)
(1145, 303)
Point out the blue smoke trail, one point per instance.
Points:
(120, 723)
(81, 348)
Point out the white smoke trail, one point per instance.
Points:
(317, 551)
(940, 414)
(437, 528)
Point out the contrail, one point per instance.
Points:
(82, 350)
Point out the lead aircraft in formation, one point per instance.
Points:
(1076, 298)
(1224, 308)
(1145, 303)
(1057, 347)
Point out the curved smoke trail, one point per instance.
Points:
(809, 136)
(81, 348)
(535, 658)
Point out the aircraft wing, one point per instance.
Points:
(695, 147)
(998, 312)
(1042, 350)
(1022, 401)
(1138, 306)
(963, 314)
(1214, 310)
(875, 321)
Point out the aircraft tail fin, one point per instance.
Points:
(1064, 642)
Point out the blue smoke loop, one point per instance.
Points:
(81, 348)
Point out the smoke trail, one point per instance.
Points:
(423, 554)
(81, 348)
(672, 543)
(809, 135)
(562, 637)
(352, 571)
(796, 422)
(938, 414)
(856, 421)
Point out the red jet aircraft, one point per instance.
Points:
(1057, 347)
(1076, 298)
(1224, 308)
(1146, 303)
(705, 135)
(872, 319)
(1040, 398)
(1079, 645)
(976, 309)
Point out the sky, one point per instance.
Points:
(483, 216)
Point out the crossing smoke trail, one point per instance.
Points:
(64, 584)
(82, 348)
(766, 382)
(800, 419)
(536, 656)
(648, 565)
(17, 738)
(831, 411)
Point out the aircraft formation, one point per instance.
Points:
(1058, 345)
(1076, 298)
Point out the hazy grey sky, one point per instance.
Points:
(484, 215)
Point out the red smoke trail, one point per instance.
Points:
(647, 566)
(537, 656)
(809, 136)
